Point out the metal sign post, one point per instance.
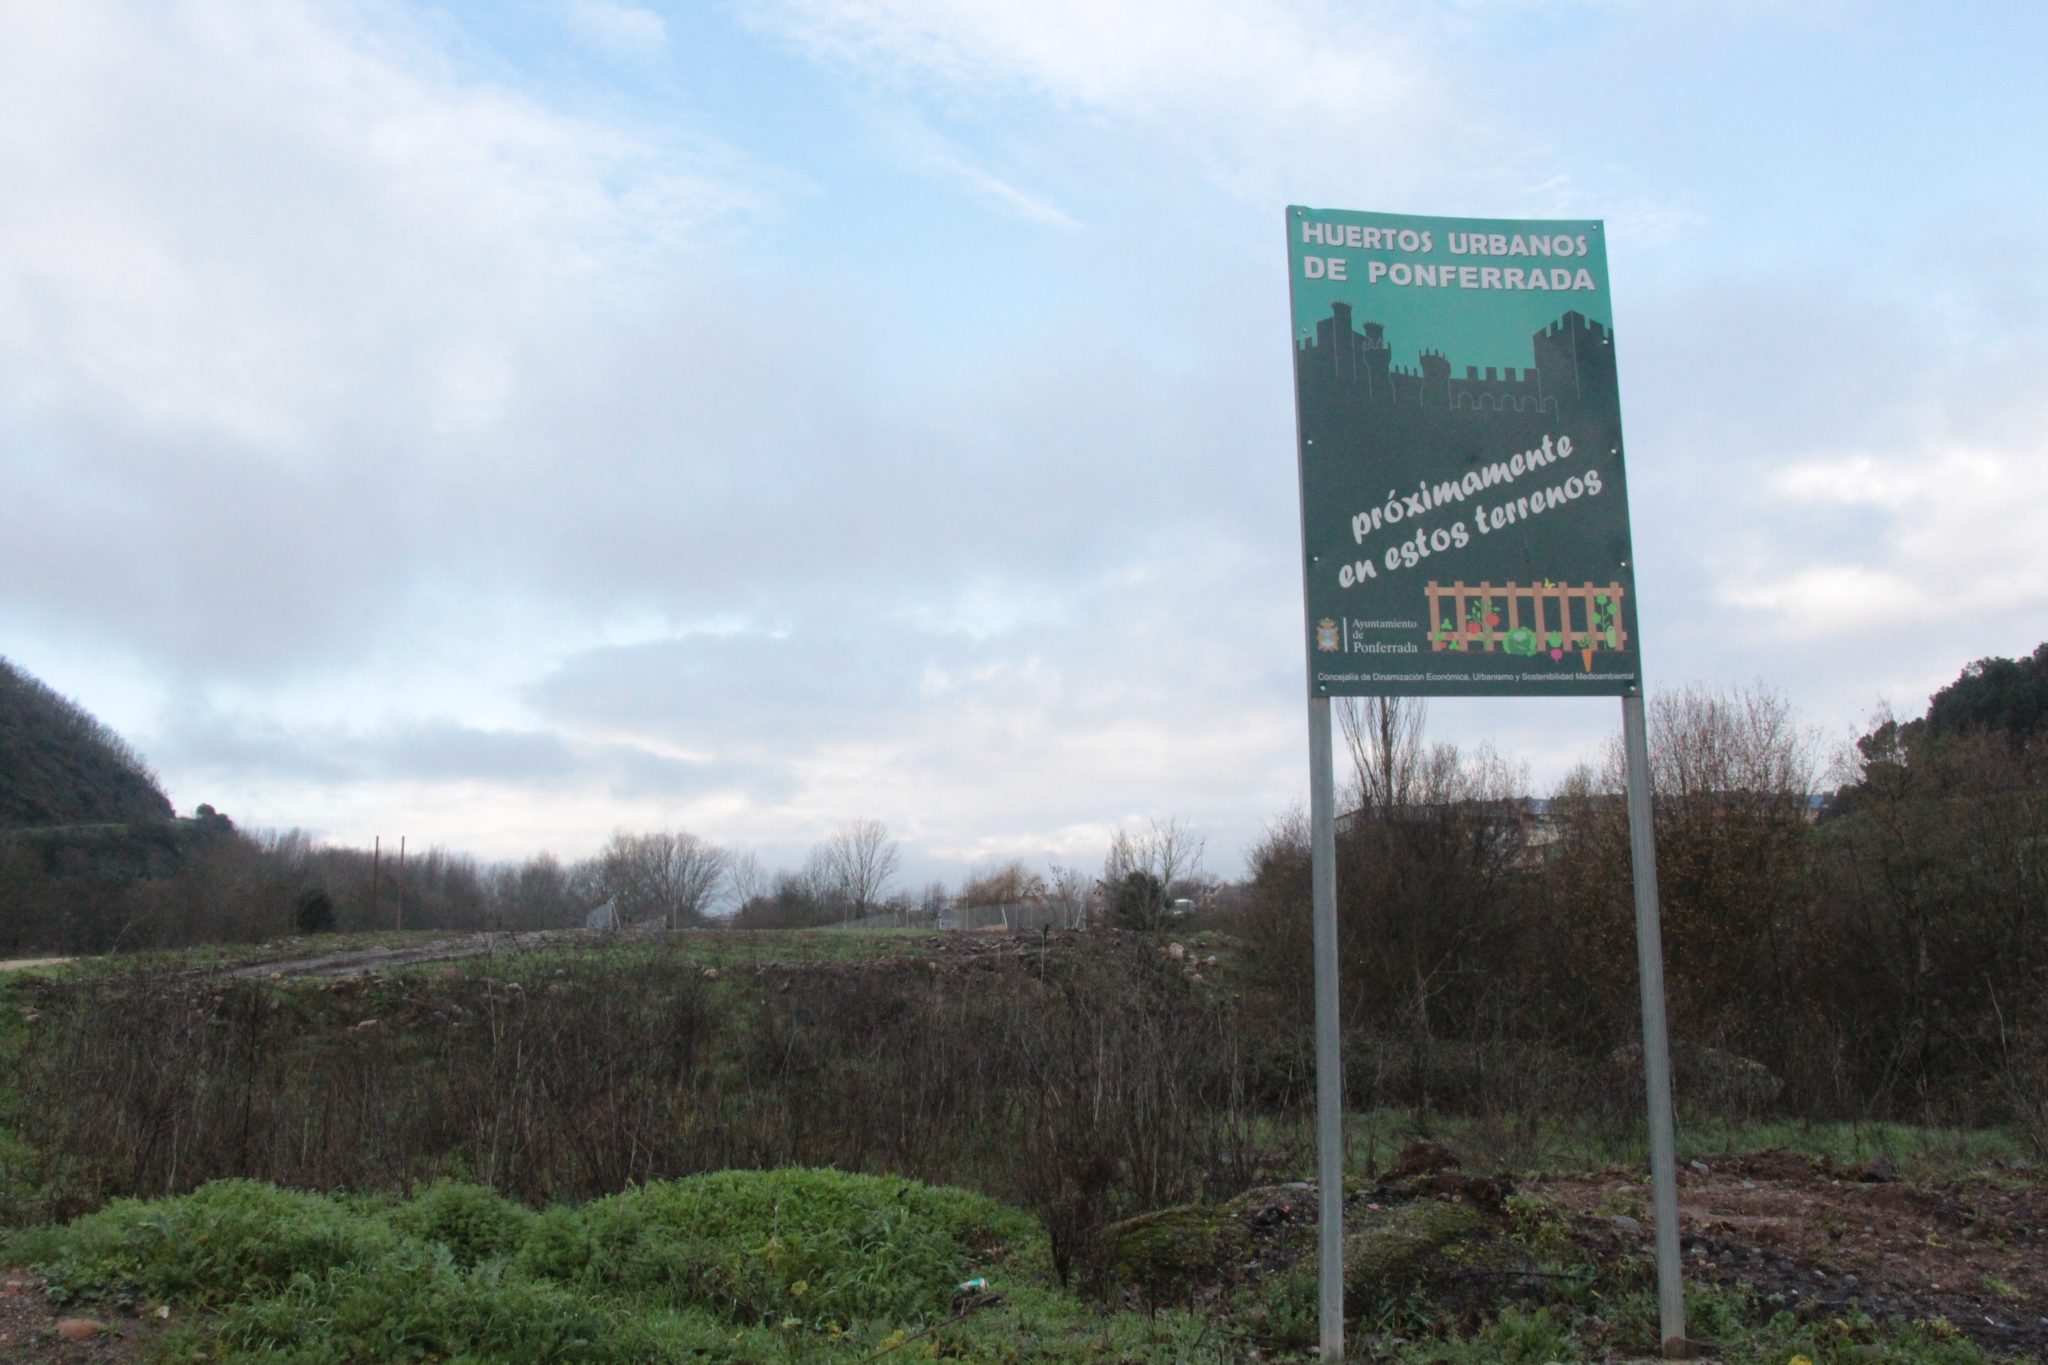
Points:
(1464, 527)
(1642, 848)
(1322, 806)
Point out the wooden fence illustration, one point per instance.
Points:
(1526, 618)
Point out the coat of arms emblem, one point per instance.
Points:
(1326, 636)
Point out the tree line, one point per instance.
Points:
(1865, 934)
(204, 880)
(1858, 933)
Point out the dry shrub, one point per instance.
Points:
(1087, 1083)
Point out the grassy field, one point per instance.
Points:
(785, 1266)
(858, 1147)
(1531, 1144)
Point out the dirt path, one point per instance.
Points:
(1821, 1236)
(18, 963)
(961, 950)
(361, 961)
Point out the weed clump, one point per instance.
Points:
(819, 1246)
(475, 1223)
(224, 1240)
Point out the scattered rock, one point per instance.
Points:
(1623, 1223)
(78, 1329)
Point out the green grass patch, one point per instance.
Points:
(788, 1265)
(1551, 1143)
(822, 1247)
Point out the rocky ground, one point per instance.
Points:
(34, 1332)
(1820, 1237)
(1802, 1234)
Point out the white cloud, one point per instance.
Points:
(618, 30)
(1961, 539)
(1266, 96)
(270, 278)
(1153, 57)
(242, 220)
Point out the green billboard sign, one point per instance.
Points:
(1464, 510)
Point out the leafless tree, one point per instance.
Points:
(745, 878)
(858, 861)
(673, 875)
(1721, 746)
(1069, 888)
(1384, 737)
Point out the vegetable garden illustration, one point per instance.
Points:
(1527, 619)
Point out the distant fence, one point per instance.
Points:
(1031, 915)
(1017, 915)
(886, 919)
(1525, 618)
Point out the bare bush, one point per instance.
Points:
(1088, 1082)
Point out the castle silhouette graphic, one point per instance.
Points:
(1574, 372)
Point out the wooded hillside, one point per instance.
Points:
(60, 766)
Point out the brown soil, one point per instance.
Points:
(28, 1328)
(1819, 1237)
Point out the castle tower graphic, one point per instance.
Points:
(1573, 371)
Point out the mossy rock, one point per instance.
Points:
(1166, 1253)
(1391, 1250)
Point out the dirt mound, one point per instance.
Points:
(1812, 1236)
(1819, 1237)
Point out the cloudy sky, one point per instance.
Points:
(501, 423)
